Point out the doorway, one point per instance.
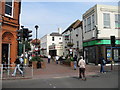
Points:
(5, 56)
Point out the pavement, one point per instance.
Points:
(53, 70)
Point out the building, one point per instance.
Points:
(52, 44)
(72, 39)
(100, 23)
(9, 23)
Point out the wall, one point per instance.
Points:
(9, 27)
(98, 11)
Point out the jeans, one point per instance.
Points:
(75, 64)
(102, 68)
(48, 60)
(17, 67)
(82, 73)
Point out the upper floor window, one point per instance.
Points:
(117, 21)
(59, 38)
(77, 44)
(8, 7)
(106, 20)
(53, 38)
(85, 25)
(88, 23)
(93, 22)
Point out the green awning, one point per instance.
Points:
(99, 42)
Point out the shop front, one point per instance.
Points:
(93, 49)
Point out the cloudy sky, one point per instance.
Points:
(49, 16)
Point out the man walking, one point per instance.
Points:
(17, 62)
(49, 57)
(57, 58)
(102, 63)
(81, 65)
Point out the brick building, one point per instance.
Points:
(9, 23)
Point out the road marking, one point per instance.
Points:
(50, 84)
(62, 77)
(54, 87)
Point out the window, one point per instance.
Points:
(117, 21)
(106, 17)
(53, 38)
(77, 44)
(88, 23)
(85, 25)
(93, 22)
(8, 7)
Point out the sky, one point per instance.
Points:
(50, 16)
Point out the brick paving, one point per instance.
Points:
(54, 70)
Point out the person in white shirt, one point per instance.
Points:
(49, 57)
(57, 58)
(82, 65)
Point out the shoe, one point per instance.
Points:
(84, 79)
(22, 75)
(13, 75)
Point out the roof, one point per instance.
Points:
(55, 34)
(74, 25)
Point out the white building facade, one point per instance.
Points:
(99, 24)
(52, 44)
(73, 35)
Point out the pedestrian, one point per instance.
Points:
(82, 65)
(61, 59)
(49, 57)
(21, 62)
(17, 62)
(102, 64)
(75, 62)
(57, 58)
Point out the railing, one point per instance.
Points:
(8, 70)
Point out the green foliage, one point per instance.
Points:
(36, 58)
(27, 46)
(71, 58)
(69, 44)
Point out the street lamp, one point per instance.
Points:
(36, 26)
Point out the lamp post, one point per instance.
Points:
(36, 26)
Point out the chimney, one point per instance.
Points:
(59, 31)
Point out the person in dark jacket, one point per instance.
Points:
(75, 62)
(102, 64)
(17, 62)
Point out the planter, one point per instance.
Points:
(43, 65)
(72, 64)
(34, 64)
(37, 65)
(69, 44)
